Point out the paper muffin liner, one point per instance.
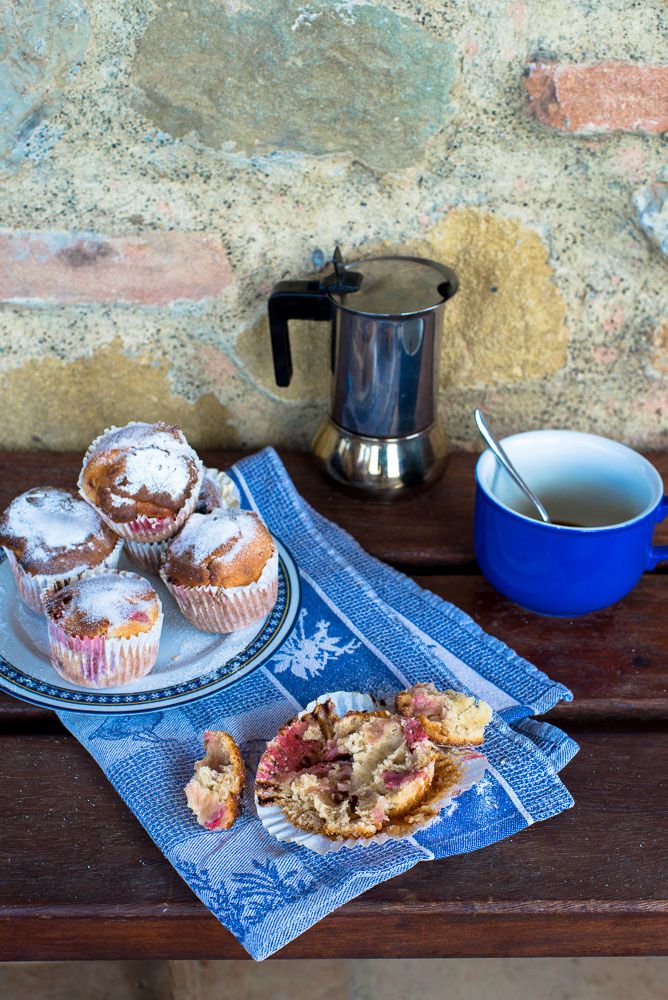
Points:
(149, 555)
(143, 528)
(30, 586)
(471, 762)
(100, 662)
(227, 609)
(228, 490)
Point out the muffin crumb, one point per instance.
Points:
(448, 717)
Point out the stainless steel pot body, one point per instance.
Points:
(385, 371)
(382, 433)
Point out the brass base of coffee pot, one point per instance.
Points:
(381, 468)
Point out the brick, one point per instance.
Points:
(154, 269)
(605, 97)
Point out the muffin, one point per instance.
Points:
(222, 570)
(104, 630)
(213, 793)
(350, 776)
(51, 536)
(217, 490)
(448, 717)
(143, 480)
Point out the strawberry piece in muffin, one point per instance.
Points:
(214, 791)
(448, 717)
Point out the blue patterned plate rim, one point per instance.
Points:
(265, 643)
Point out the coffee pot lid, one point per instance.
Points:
(393, 286)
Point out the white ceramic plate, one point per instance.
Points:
(190, 665)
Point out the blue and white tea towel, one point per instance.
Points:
(362, 627)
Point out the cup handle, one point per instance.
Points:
(659, 552)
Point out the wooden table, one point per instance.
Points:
(81, 878)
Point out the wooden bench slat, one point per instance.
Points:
(432, 529)
(83, 880)
(614, 661)
(86, 881)
(375, 933)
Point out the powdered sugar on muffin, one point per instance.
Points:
(222, 570)
(143, 478)
(54, 531)
(217, 490)
(114, 605)
(448, 717)
(352, 776)
(104, 631)
(226, 548)
(213, 793)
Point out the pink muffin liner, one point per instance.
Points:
(100, 662)
(144, 528)
(227, 609)
(149, 555)
(30, 586)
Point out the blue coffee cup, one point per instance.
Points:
(610, 499)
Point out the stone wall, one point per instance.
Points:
(162, 164)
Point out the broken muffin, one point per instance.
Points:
(354, 775)
(214, 791)
(448, 717)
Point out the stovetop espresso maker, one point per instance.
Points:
(382, 433)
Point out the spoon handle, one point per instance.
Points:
(501, 457)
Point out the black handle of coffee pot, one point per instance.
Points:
(293, 300)
(304, 300)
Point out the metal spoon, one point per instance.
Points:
(503, 460)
